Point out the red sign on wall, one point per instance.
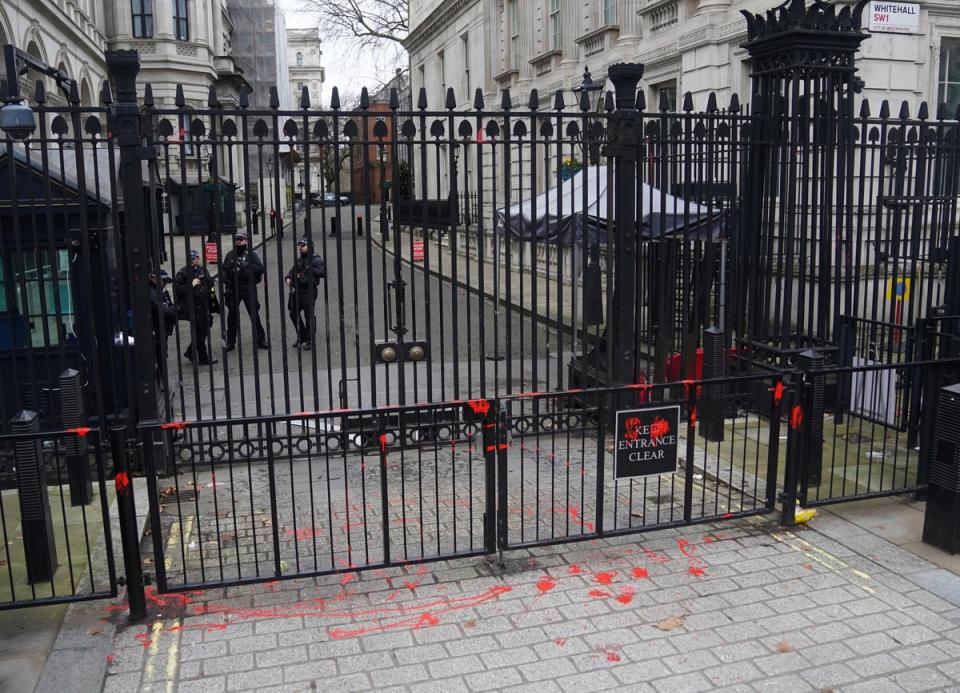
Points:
(210, 252)
(418, 251)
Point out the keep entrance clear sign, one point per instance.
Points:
(646, 441)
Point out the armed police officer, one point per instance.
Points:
(242, 271)
(302, 281)
(196, 302)
(163, 315)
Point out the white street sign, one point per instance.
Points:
(894, 17)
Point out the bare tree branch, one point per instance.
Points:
(371, 23)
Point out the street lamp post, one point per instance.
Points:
(584, 91)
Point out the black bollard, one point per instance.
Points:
(75, 447)
(714, 366)
(39, 546)
(333, 227)
(360, 226)
(941, 524)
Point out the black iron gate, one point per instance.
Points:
(387, 332)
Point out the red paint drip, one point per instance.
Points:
(796, 417)
(606, 578)
(693, 416)
(777, 392)
(546, 583)
(174, 424)
(640, 573)
(109, 659)
(80, 431)
(122, 482)
(480, 407)
(383, 443)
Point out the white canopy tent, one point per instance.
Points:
(577, 211)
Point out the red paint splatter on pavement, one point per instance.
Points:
(626, 594)
(606, 578)
(640, 573)
(560, 642)
(599, 594)
(303, 533)
(546, 583)
(574, 570)
(655, 556)
(686, 548)
(143, 639)
(613, 656)
(411, 584)
(697, 571)
(347, 578)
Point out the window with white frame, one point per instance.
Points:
(515, 34)
(442, 71)
(949, 78)
(181, 22)
(465, 47)
(555, 31)
(142, 18)
(609, 12)
(299, 58)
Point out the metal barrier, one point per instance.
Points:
(55, 550)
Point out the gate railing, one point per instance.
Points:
(55, 519)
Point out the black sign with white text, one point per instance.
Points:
(646, 441)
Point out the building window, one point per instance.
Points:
(949, 81)
(609, 12)
(185, 134)
(299, 59)
(668, 90)
(515, 34)
(36, 301)
(299, 87)
(181, 24)
(142, 18)
(555, 35)
(442, 68)
(465, 45)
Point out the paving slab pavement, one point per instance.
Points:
(738, 605)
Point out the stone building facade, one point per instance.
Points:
(305, 65)
(686, 46)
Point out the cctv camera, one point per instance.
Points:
(17, 121)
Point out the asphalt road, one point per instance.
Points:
(464, 333)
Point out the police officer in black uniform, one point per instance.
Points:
(302, 281)
(194, 285)
(163, 315)
(242, 271)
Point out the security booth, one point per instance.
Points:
(197, 203)
(61, 289)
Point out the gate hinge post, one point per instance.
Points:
(129, 529)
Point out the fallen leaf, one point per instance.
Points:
(472, 623)
(94, 631)
(670, 623)
(784, 646)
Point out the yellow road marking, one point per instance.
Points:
(825, 558)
